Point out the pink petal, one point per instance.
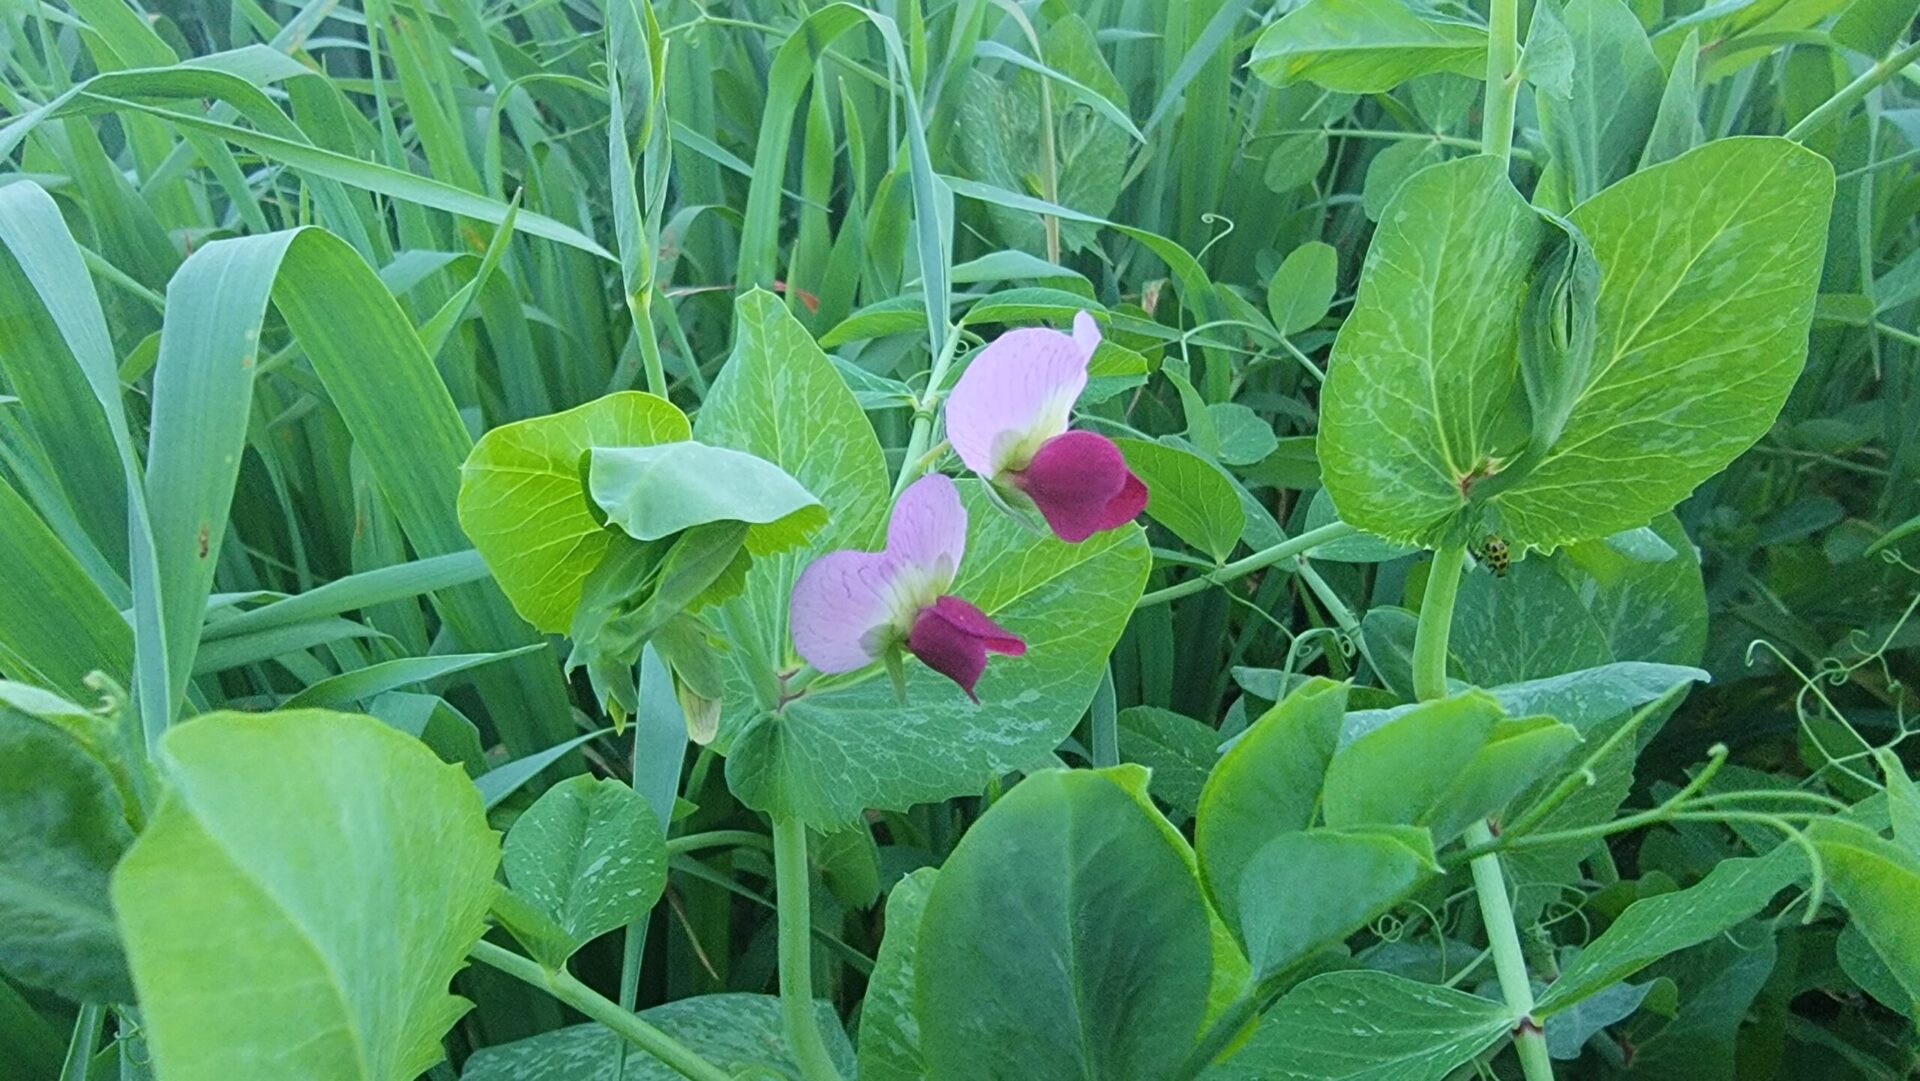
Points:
(1081, 483)
(1017, 394)
(928, 530)
(839, 603)
(953, 638)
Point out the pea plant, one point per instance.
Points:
(1329, 540)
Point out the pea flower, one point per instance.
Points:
(1007, 419)
(851, 608)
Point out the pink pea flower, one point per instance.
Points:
(852, 608)
(1007, 419)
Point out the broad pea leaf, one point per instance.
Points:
(1395, 773)
(1516, 754)
(64, 821)
(1187, 494)
(1591, 696)
(830, 754)
(1676, 127)
(1365, 46)
(1654, 927)
(339, 917)
(1178, 749)
(1652, 610)
(1596, 133)
(889, 1029)
(1710, 263)
(522, 503)
(1548, 59)
(1568, 1031)
(1527, 625)
(1309, 889)
(1302, 289)
(1268, 782)
(654, 492)
(1245, 437)
(1353, 548)
(1418, 388)
(1879, 881)
(1391, 168)
(1864, 966)
(590, 855)
(1387, 636)
(1718, 985)
(1872, 27)
(1064, 937)
(1367, 1026)
(736, 1032)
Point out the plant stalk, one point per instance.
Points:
(1848, 96)
(1240, 568)
(1489, 881)
(1503, 78)
(625, 1024)
(795, 907)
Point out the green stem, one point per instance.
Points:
(642, 308)
(1436, 622)
(626, 1025)
(910, 467)
(86, 1038)
(1489, 881)
(693, 842)
(1848, 96)
(795, 909)
(1239, 568)
(1503, 78)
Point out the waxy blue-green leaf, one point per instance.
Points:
(1648, 610)
(590, 855)
(1188, 494)
(1304, 891)
(1365, 46)
(1367, 1026)
(1596, 134)
(1064, 937)
(1394, 773)
(1527, 625)
(1654, 927)
(524, 504)
(1878, 879)
(657, 491)
(64, 818)
(1269, 781)
(889, 1028)
(338, 918)
(1417, 393)
(1179, 750)
(736, 1032)
(1710, 264)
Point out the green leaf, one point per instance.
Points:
(1710, 266)
(1517, 753)
(1586, 698)
(1367, 1026)
(1395, 774)
(341, 915)
(1178, 749)
(590, 855)
(1307, 890)
(1245, 437)
(1596, 134)
(360, 684)
(1295, 161)
(1676, 127)
(1189, 495)
(1268, 781)
(1878, 880)
(1648, 610)
(1391, 168)
(1301, 291)
(736, 1032)
(1548, 60)
(1527, 625)
(1365, 46)
(1357, 547)
(1873, 27)
(889, 1032)
(65, 824)
(1654, 927)
(1419, 382)
(523, 503)
(655, 492)
(1064, 937)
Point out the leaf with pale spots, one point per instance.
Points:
(589, 855)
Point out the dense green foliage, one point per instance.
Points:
(415, 416)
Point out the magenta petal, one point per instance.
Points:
(1081, 483)
(839, 602)
(928, 530)
(1019, 391)
(953, 638)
